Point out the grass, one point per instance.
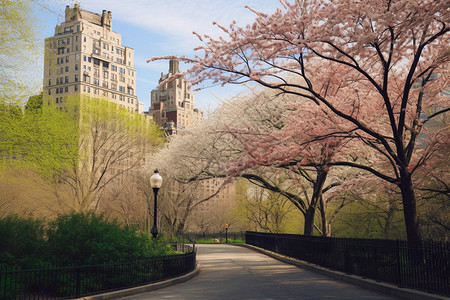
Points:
(218, 241)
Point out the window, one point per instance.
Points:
(67, 59)
(96, 62)
(78, 28)
(96, 51)
(67, 50)
(49, 82)
(67, 68)
(121, 70)
(49, 91)
(66, 79)
(105, 75)
(76, 37)
(75, 88)
(84, 39)
(86, 79)
(56, 100)
(68, 41)
(76, 66)
(66, 89)
(121, 89)
(89, 59)
(77, 56)
(96, 81)
(84, 57)
(57, 91)
(105, 64)
(113, 67)
(76, 77)
(76, 48)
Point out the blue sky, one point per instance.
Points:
(161, 27)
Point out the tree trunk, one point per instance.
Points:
(325, 226)
(317, 194)
(309, 220)
(409, 207)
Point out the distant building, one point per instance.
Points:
(172, 106)
(86, 57)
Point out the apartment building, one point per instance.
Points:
(86, 57)
(172, 105)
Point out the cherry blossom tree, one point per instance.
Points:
(374, 67)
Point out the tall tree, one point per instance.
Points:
(373, 66)
(18, 48)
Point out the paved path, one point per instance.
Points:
(232, 272)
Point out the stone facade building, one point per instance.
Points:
(86, 57)
(172, 105)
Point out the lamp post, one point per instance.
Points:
(155, 183)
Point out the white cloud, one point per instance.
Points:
(176, 19)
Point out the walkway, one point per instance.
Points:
(232, 272)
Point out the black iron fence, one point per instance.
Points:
(421, 265)
(79, 281)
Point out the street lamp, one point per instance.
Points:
(155, 182)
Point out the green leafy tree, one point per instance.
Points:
(18, 48)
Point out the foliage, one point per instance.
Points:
(22, 242)
(86, 238)
(18, 48)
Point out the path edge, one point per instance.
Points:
(386, 288)
(144, 288)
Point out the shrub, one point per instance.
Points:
(22, 242)
(86, 238)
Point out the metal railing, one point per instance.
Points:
(421, 265)
(79, 281)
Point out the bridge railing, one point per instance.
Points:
(422, 265)
(80, 281)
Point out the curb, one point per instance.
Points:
(143, 288)
(386, 288)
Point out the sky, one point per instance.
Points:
(158, 28)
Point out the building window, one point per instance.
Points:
(76, 77)
(76, 37)
(57, 91)
(76, 48)
(75, 88)
(66, 79)
(84, 57)
(67, 59)
(49, 91)
(66, 89)
(84, 38)
(76, 66)
(49, 82)
(67, 50)
(113, 67)
(77, 56)
(68, 41)
(67, 68)
(56, 100)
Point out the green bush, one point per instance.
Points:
(86, 239)
(22, 242)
